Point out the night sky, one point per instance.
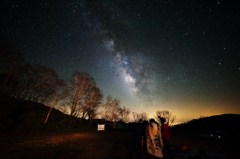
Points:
(178, 55)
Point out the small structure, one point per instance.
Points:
(99, 123)
(101, 127)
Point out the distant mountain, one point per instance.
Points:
(229, 124)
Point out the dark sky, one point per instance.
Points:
(182, 56)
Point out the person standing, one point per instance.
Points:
(138, 137)
(165, 131)
(153, 139)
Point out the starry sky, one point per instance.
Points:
(181, 56)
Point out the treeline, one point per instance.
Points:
(79, 97)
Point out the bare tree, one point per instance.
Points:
(58, 94)
(10, 86)
(95, 97)
(9, 58)
(110, 112)
(84, 97)
(170, 118)
(124, 114)
(79, 90)
(113, 111)
(9, 55)
(35, 80)
(142, 115)
(92, 103)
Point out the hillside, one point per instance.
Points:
(226, 123)
(22, 115)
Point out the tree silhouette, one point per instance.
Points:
(36, 82)
(137, 116)
(60, 92)
(84, 97)
(170, 118)
(10, 56)
(113, 111)
(92, 103)
(124, 114)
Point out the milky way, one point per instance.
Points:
(152, 54)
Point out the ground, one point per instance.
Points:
(97, 145)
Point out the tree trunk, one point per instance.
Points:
(50, 109)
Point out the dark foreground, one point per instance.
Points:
(101, 145)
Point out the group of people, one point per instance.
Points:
(152, 138)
